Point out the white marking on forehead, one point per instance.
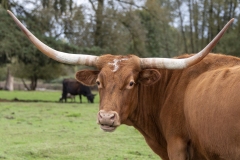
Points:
(115, 63)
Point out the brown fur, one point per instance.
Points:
(192, 113)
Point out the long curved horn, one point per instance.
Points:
(62, 57)
(168, 63)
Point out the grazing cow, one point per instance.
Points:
(72, 87)
(186, 108)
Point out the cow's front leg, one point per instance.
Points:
(80, 97)
(177, 149)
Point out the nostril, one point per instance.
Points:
(112, 117)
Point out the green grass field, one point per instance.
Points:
(52, 96)
(62, 131)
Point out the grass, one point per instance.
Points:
(52, 96)
(63, 131)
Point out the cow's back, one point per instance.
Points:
(71, 86)
(212, 110)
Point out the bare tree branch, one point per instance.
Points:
(25, 85)
(93, 6)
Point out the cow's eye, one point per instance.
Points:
(98, 83)
(131, 83)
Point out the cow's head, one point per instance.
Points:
(90, 97)
(118, 77)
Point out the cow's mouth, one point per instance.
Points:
(107, 128)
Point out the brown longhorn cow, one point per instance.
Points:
(186, 108)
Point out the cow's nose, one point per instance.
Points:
(106, 118)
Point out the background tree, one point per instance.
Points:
(161, 37)
(26, 60)
(8, 39)
(204, 20)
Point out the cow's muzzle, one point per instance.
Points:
(108, 120)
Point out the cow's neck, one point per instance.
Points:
(154, 108)
(151, 100)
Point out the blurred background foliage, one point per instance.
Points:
(147, 28)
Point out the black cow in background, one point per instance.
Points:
(73, 87)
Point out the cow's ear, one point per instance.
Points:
(149, 76)
(87, 77)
